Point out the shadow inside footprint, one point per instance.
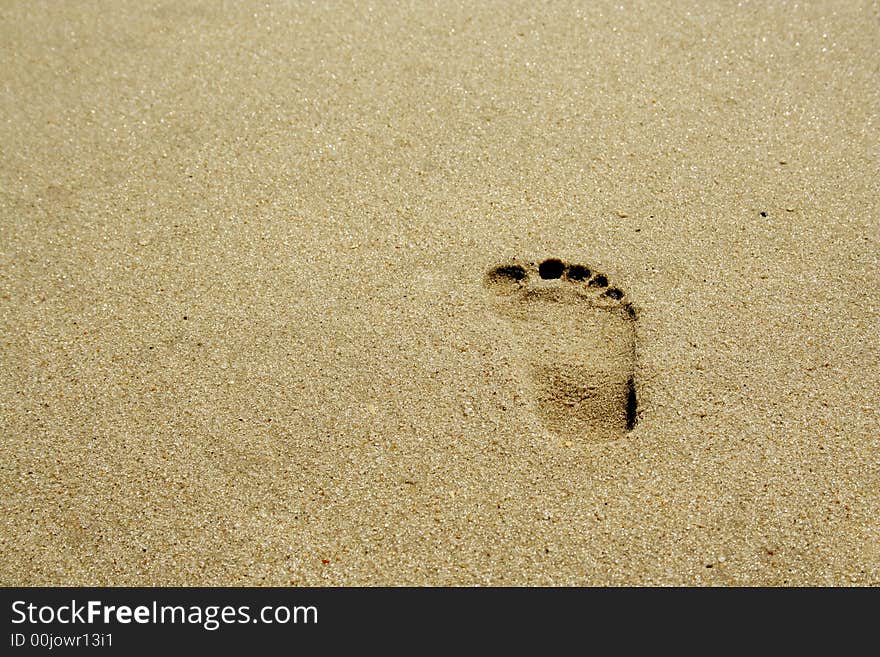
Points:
(576, 339)
(505, 278)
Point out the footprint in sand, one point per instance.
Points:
(576, 337)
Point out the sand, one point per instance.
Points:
(246, 338)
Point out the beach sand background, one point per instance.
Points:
(245, 339)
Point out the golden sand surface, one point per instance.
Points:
(247, 334)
